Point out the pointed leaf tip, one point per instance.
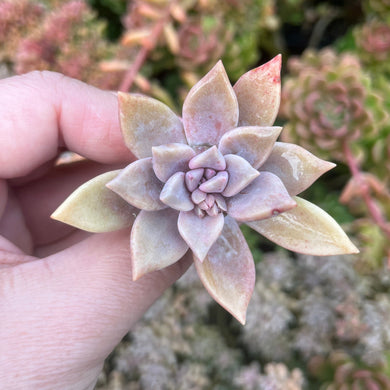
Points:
(95, 208)
(228, 272)
(258, 94)
(200, 233)
(210, 108)
(306, 229)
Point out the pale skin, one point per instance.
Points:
(66, 297)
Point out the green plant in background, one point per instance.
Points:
(340, 372)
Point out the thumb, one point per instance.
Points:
(64, 314)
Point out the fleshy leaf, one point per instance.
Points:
(210, 108)
(306, 229)
(253, 143)
(241, 174)
(198, 196)
(193, 177)
(155, 242)
(264, 197)
(258, 94)
(215, 184)
(200, 233)
(210, 158)
(171, 158)
(95, 208)
(175, 193)
(228, 272)
(295, 166)
(146, 122)
(138, 185)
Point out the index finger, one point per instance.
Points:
(42, 111)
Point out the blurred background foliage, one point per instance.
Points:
(313, 323)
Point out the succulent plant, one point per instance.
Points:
(340, 372)
(380, 8)
(16, 18)
(373, 42)
(197, 178)
(327, 102)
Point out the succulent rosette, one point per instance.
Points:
(197, 178)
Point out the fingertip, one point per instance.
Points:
(42, 111)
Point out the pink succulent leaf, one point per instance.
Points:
(175, 194)
(216, 183)
(295, 166)
(171, 158)
(200, 233)
(253, 143)
(155, 242)
(146, 122)
(193, 178)
(94, 208)
(210, 158)
(228, 271)
(198, 196)
(138, 185)
(240, 172)
(306, 229)
(210, 108)
(263, 198)
(258, 94)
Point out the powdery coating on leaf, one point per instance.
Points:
(241, 174)
(138, 185)
(210, 158)
(306, 229)
(258, 94)
(216, 183)
(155, 242)
(228, 272)
(146, 122)
(200, 233)
(210, 108)
(264, 197)
(296, 167)
(171, 158)
(175, 194)
(253, 143)
(94, 208)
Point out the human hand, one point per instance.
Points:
(66, 297)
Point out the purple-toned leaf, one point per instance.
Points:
(228, 272)
(146, 122)
(264, 197)
(138, 185)
(253, 143)
(200, 233)
(306, 229)
(155, 242)
(210, 108)
(258, 94)
(241, 174)
(198, 196)
(95, 208)
(210, 158)
(193, 177)
(175, 193)
(171, 158)
(295, 166)
(215, 184)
